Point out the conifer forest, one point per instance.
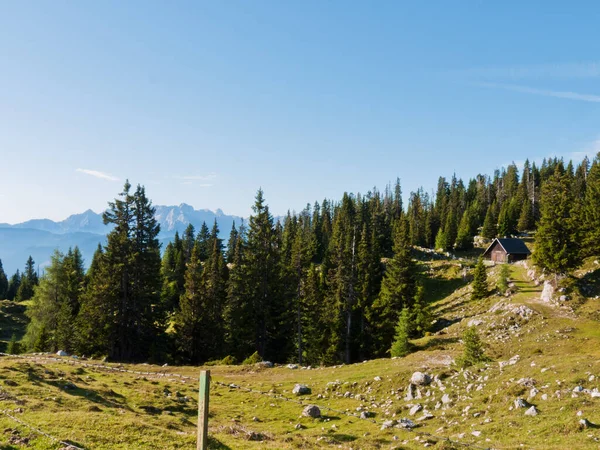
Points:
(338, 282)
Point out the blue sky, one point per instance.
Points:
(205, 102)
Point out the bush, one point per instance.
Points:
(480, 288)
(502, 284)
(14, 347)
(473, 349)
(227, 361)
(401, 345)
(252, 359)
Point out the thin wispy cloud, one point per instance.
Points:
(207, 177)
(98, 174)
(191, 183)
(543, 92)
(557, 70)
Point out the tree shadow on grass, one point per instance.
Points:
(437, 344)
(341, 438)
(215, 444)
(439, 288)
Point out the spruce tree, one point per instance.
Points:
(480, 287)
(189, 335)
(526, 217)
(3, 283)
(202, 240)
(591, 212)
(29, 281)
(421, 316)
(13, 347)
(231, 243)
(473, 352)
(398, 287)
(124, 291)
(13, 286)
(555, 248)
(502, 283)
(262, 271)
(466, 233)
(489, 230)
(342, 278)
(46, 304)
(238, 312)
(401, 345)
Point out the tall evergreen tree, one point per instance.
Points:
(555, 248)
(121, 296)
(3, 283)
(489, 230)
(590, 214)
(262, 270)
(13, 286)
(398, 287)
(46, 306)
(190, 335)
(29, 281)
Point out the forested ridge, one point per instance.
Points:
(333, 283)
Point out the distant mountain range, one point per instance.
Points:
(39, 237)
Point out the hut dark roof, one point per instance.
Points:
(511, 246)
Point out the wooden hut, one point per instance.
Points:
(506, 250)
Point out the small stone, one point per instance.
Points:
(531, 411)
(415, 409)
(446, 399)
(377, 378)
(476, 433)
(520, 403)
(388, 424)
(406, 423)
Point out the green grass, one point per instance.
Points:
(114, 410)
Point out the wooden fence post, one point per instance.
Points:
(202, 442)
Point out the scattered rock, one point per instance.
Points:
(61, 353)
(366, 415)
(531, 411)
(301, 389)
(420, 379)
(547, 292)
(265, 364)
(415, 409)
(520, 403)
(312, 411)
(446, 399)
(299, 426)
(388, 424)
(292, 366)
(406, 423)
(377, 378)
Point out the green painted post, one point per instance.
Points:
(202, 442)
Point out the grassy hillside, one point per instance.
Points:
(554, 348)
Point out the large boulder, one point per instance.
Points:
(61, 353)
(420, 379)
(312, 411)
(301, 389)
